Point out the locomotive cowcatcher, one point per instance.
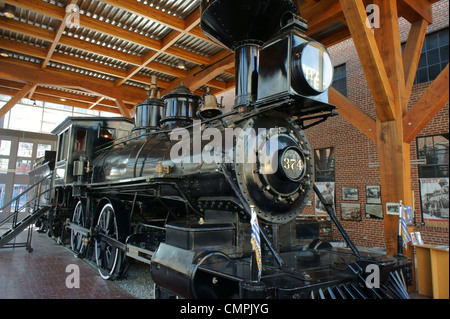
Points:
(209, 200)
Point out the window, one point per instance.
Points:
(5, 147)
(80, 143)
(17, 190)
(42, 148)
(63, 145)
(25, 149)
(4, 162)
(434, 150)
(324, 164)
(434, 56)
(2, 194)
(340, 79)
(23, 166)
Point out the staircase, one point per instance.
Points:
(37, 203)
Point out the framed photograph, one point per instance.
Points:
(434, 198)
(374, 211)
(393, 208)
(373, 194)
(349, 193)
(351, 211)
(327, 191)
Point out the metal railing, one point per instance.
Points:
(36, 198)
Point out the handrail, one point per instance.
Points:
(25, 192)
(28, 203)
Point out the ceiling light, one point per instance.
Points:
(9, 11)
(4, 54)
(181, 64)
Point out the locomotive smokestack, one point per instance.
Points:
(243, 26)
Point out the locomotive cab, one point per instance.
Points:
(79, 137)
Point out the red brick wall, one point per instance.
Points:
(356, 156)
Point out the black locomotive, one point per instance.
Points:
(177, 189)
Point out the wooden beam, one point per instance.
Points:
(197, 78)
(15, 99)
(123, 109)
(388, 42)
(77, 62)
(429, 104)
(54, 95)
(96, 102)
(422, 8)
(321, 14)
(393, 153)
(30, 72)
(364, 123)
(59, 32)
(33, 89)
(370, 58)
(411, 53)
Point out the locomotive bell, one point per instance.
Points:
(210, 108)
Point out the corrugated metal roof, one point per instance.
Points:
(178, 8)
(108, 41)
(23, 38)
(173, 61)
(197, 45)
(132, 62)
(92, 57)
(123, 19)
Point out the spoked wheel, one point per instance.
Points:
(108, 257)
(78, 218)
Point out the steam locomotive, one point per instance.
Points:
(189, 190)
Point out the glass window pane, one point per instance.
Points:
(18, 189)
(422, 75)
(432, 41)
(443, 51)
(23, 167)
(423, 60)
(42, 148)
(433, 57)
(433, 71)
(443, 37)
(25, 118)
(2, 194)
(4, 162)
(5, 147)
(25, 149)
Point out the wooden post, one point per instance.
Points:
(381, 58)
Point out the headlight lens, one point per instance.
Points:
(312, 66)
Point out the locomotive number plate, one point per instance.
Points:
(292, 164)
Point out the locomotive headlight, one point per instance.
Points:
(312, 68)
